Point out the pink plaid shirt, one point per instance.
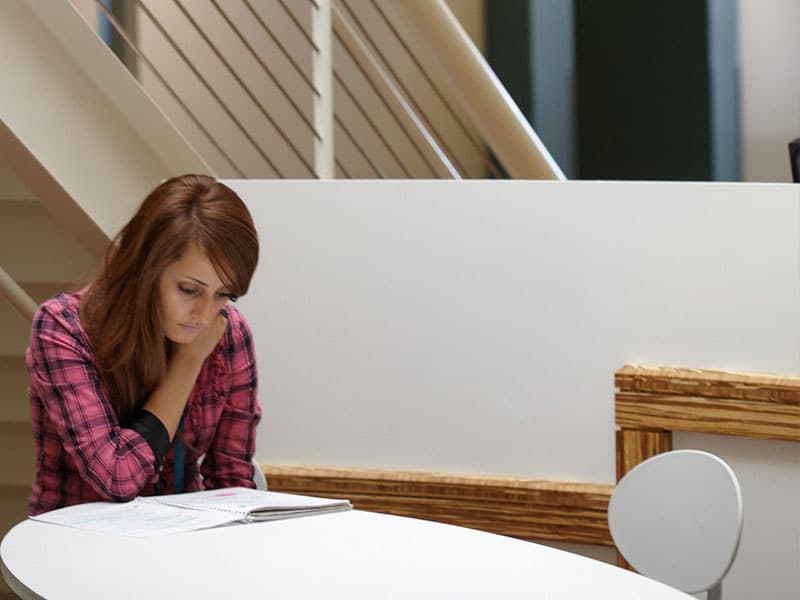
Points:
(82, 452)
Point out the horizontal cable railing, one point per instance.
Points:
(242, 80)
(213, 90)
(197, 122)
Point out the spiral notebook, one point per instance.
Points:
(161, 515)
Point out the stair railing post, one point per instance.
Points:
(322, 76)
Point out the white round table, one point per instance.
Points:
(352, 555)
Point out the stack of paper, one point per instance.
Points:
(160, 515)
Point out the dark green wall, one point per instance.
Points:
(508, 48)
(642, 89)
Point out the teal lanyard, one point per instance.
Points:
(177, 486)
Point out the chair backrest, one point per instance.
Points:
(677, 518)
(794, 159)
(258, 476)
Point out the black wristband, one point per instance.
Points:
(153, 431)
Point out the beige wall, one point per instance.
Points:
(229, 138)
(235, 143)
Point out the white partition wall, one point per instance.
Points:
(475, 326)
(467, 326)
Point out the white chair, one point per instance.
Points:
(258, 476)
(677, 518)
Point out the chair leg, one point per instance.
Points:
(715, 593)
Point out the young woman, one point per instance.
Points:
(150, 366)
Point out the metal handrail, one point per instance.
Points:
(19, 298)
(397, 80)
(468, 134)
(432, 154)
(484, 98)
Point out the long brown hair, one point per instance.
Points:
(120, 310)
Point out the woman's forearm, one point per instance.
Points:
(169, 399)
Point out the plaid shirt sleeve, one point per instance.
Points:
(228, 461)
(116, 462)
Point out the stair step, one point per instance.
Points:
(43, 290)
(13, 505)
(14, 404)
(16, 454)
(12, 187)
(34, 247)
(13, 510)
(16, 330)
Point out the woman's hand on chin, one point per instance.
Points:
(208, 337)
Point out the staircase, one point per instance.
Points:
(28, 235)
(80, 145)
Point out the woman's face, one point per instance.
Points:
(190, 295)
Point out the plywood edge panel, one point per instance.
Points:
(517, 507)
(776, 389)
(725, 416)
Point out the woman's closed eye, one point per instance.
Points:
(189, 291)
(195, 291)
